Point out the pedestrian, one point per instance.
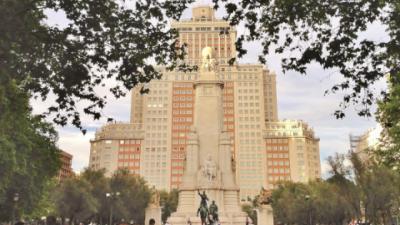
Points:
(152, 222)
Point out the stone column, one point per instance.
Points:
(208, 115)
(189, 180)
(225, 160)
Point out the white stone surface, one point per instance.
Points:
(208, 156)
(265, 215)
(153, 212)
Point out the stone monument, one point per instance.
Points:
(265, 213)
(208, 168)
(153, 211)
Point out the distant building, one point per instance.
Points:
(66, 166)
(161, 119)
(370, 140)
(117, 146)
(292, 151)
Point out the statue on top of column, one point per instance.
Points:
(208, 62)
(155, 197)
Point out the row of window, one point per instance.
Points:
(278, 170)
(277, 155)
(131, 164)
(156, 99)
(183, 92)
(247, 90)
(154, 91)
(249, 111)
(154, 127)
(182, 112)
(157, 120)
(182, 105)
(249, 104)
(157, 112)
(278, 178)
(130, 142)
(182, 98)
(278, 163)
(249, 126)
(249, 97)
(249, 119)
(277, 148)
(153, 105)
(182, 119)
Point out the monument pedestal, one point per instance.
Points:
(153, 212)
(265, 215)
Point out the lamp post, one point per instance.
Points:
(111, 195)
(15, 200)
(308, 199)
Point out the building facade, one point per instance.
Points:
(117, 146)
(66, 166)
(369, 140)
(166, 112)
(292, 151)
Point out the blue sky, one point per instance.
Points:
(299, 97)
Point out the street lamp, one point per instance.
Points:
(15, 200)
(307, 198)
(110, 196)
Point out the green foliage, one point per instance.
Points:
(135, 196)
(102, 40)
(379, 188)
(109, 39)
(100, 185)
(327, 32)
(46, 205)
(169, 203)
(388, 115)
(73, 200)
(371, 193)
(26, 142)
(85, 197)
(315, 203)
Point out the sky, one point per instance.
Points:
(299, 97)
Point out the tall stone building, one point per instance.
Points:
(117, 146)
(166, 113)
(292, 152)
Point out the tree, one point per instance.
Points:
(169, 203)
(104, 39)
(26, 142)
(107, 40)
(134, 196)
(288, 203)
(99, 187)
(318, 202)
(46, 205)
(328, 33)
(379, 187)
(381, 190)
(388, 115)
(74, 200)
(331, 207)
